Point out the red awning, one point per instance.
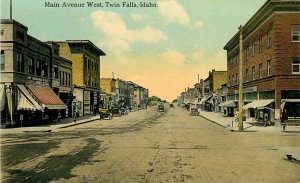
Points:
(46, 96)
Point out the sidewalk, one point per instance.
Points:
(229, 123)
(289, 153)
(63, 123)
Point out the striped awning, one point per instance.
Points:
(228, 103)
(26, 101)
(46, 96)
(258, 103)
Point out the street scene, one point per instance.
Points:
(148, 146)
(150, 91)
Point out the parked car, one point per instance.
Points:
(172, 105)
(194, 112)
(160, 108)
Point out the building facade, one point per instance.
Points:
(108, 86)
(271, 61)
(85, 57)
(26, 77)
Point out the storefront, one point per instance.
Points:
(228, 107)
(290, 109)
(260, 111)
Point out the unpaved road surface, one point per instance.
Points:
(148, 146)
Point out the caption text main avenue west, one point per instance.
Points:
(97, 4)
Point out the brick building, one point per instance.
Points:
(85, 57)
(271, 61)
(27, 70)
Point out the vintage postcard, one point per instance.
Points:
(126, 91)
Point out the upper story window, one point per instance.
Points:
(253, 73)
(296, 65)
(253, 48)
(30, 66)
(229, 81)
(20, 35)
(237, 78)
(260, 46)
(2, 60)
(247, 74)
(247, 52)
(55, 71)
(233, 80)
(269, 63)
(45, 69)
(38, 67)
(295, 33)
(260, 70)
(20, 62)
(269, 38)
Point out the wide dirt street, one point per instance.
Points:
(148, 146)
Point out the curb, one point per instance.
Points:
(213, 121)
(75, 124)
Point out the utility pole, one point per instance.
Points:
(10, 10)
(241, 80)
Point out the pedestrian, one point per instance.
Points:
(74, 114)
(95, 110)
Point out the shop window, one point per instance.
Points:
(295, 33)
(252, 112)
(2, 60)
(296, 65)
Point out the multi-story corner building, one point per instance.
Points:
(85, 57)
(108, 86)
(26, 77)
(271, 61)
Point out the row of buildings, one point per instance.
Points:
(271, 68)
(49, 80)
(118, 93)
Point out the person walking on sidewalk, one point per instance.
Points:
(74, 114)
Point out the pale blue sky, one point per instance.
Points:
(163, 49)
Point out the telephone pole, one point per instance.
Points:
(10, 10)
(241, 80)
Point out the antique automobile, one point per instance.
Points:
(124, 110)
(194, 112)
(160, 108)
(105, 114)
(115, 112)
(172, 106)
